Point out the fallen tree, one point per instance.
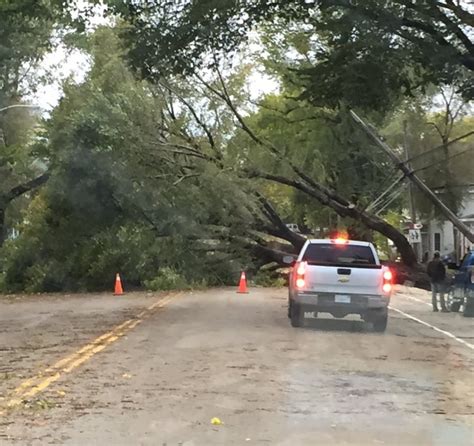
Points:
(303, 182)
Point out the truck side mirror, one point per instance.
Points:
(289, 260)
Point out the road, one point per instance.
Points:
(154, 369)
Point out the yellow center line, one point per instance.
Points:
(41, 381)
(29, 382)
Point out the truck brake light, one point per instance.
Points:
(387, 281)
(301, 268)
(300, 273)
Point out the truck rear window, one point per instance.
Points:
(330, 254)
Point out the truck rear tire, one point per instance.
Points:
(380, 324)
(295, 314)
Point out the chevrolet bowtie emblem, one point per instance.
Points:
(343, 279)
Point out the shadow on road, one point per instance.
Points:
(353, 326)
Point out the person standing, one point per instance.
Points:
(437, 272)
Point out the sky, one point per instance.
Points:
(64, 64)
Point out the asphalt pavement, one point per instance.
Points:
(155, 369)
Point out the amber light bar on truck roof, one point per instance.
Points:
(340, 239)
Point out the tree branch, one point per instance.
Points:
(450, 25)
(199, 121)
(25, 187)
(185, 177)
(465, 16)
(282, 230)
(371, 221)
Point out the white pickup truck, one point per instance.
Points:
(339, 277)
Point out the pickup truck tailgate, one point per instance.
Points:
(343, 280)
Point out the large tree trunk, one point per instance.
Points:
(344, 208)
(276, 227)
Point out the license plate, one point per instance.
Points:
(342, 299)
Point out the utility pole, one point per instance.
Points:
(414, 178)
(410, 184)
(411, 198)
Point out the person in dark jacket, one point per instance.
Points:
(437, 272)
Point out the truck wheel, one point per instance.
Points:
(468, 307)
(380, 324)
(295, 315)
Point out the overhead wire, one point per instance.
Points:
(441, 146)
(380, 198)
(392, 198)
(443, 160)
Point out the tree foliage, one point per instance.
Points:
(367, 53)
(25, 36)
(131, 189)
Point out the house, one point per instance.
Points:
(442, 236)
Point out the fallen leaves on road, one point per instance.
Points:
(216, 421)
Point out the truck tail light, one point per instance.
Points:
(300, 269)
(387, 281)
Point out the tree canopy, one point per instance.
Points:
(367, 53)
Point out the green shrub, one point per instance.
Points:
(167, 279)
(269, 279)
(45, 277)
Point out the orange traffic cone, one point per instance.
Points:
(118, 286)
(242, 284)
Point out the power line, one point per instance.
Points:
(443, 160)
(441, 146)
(392, 198)
(377, 201)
